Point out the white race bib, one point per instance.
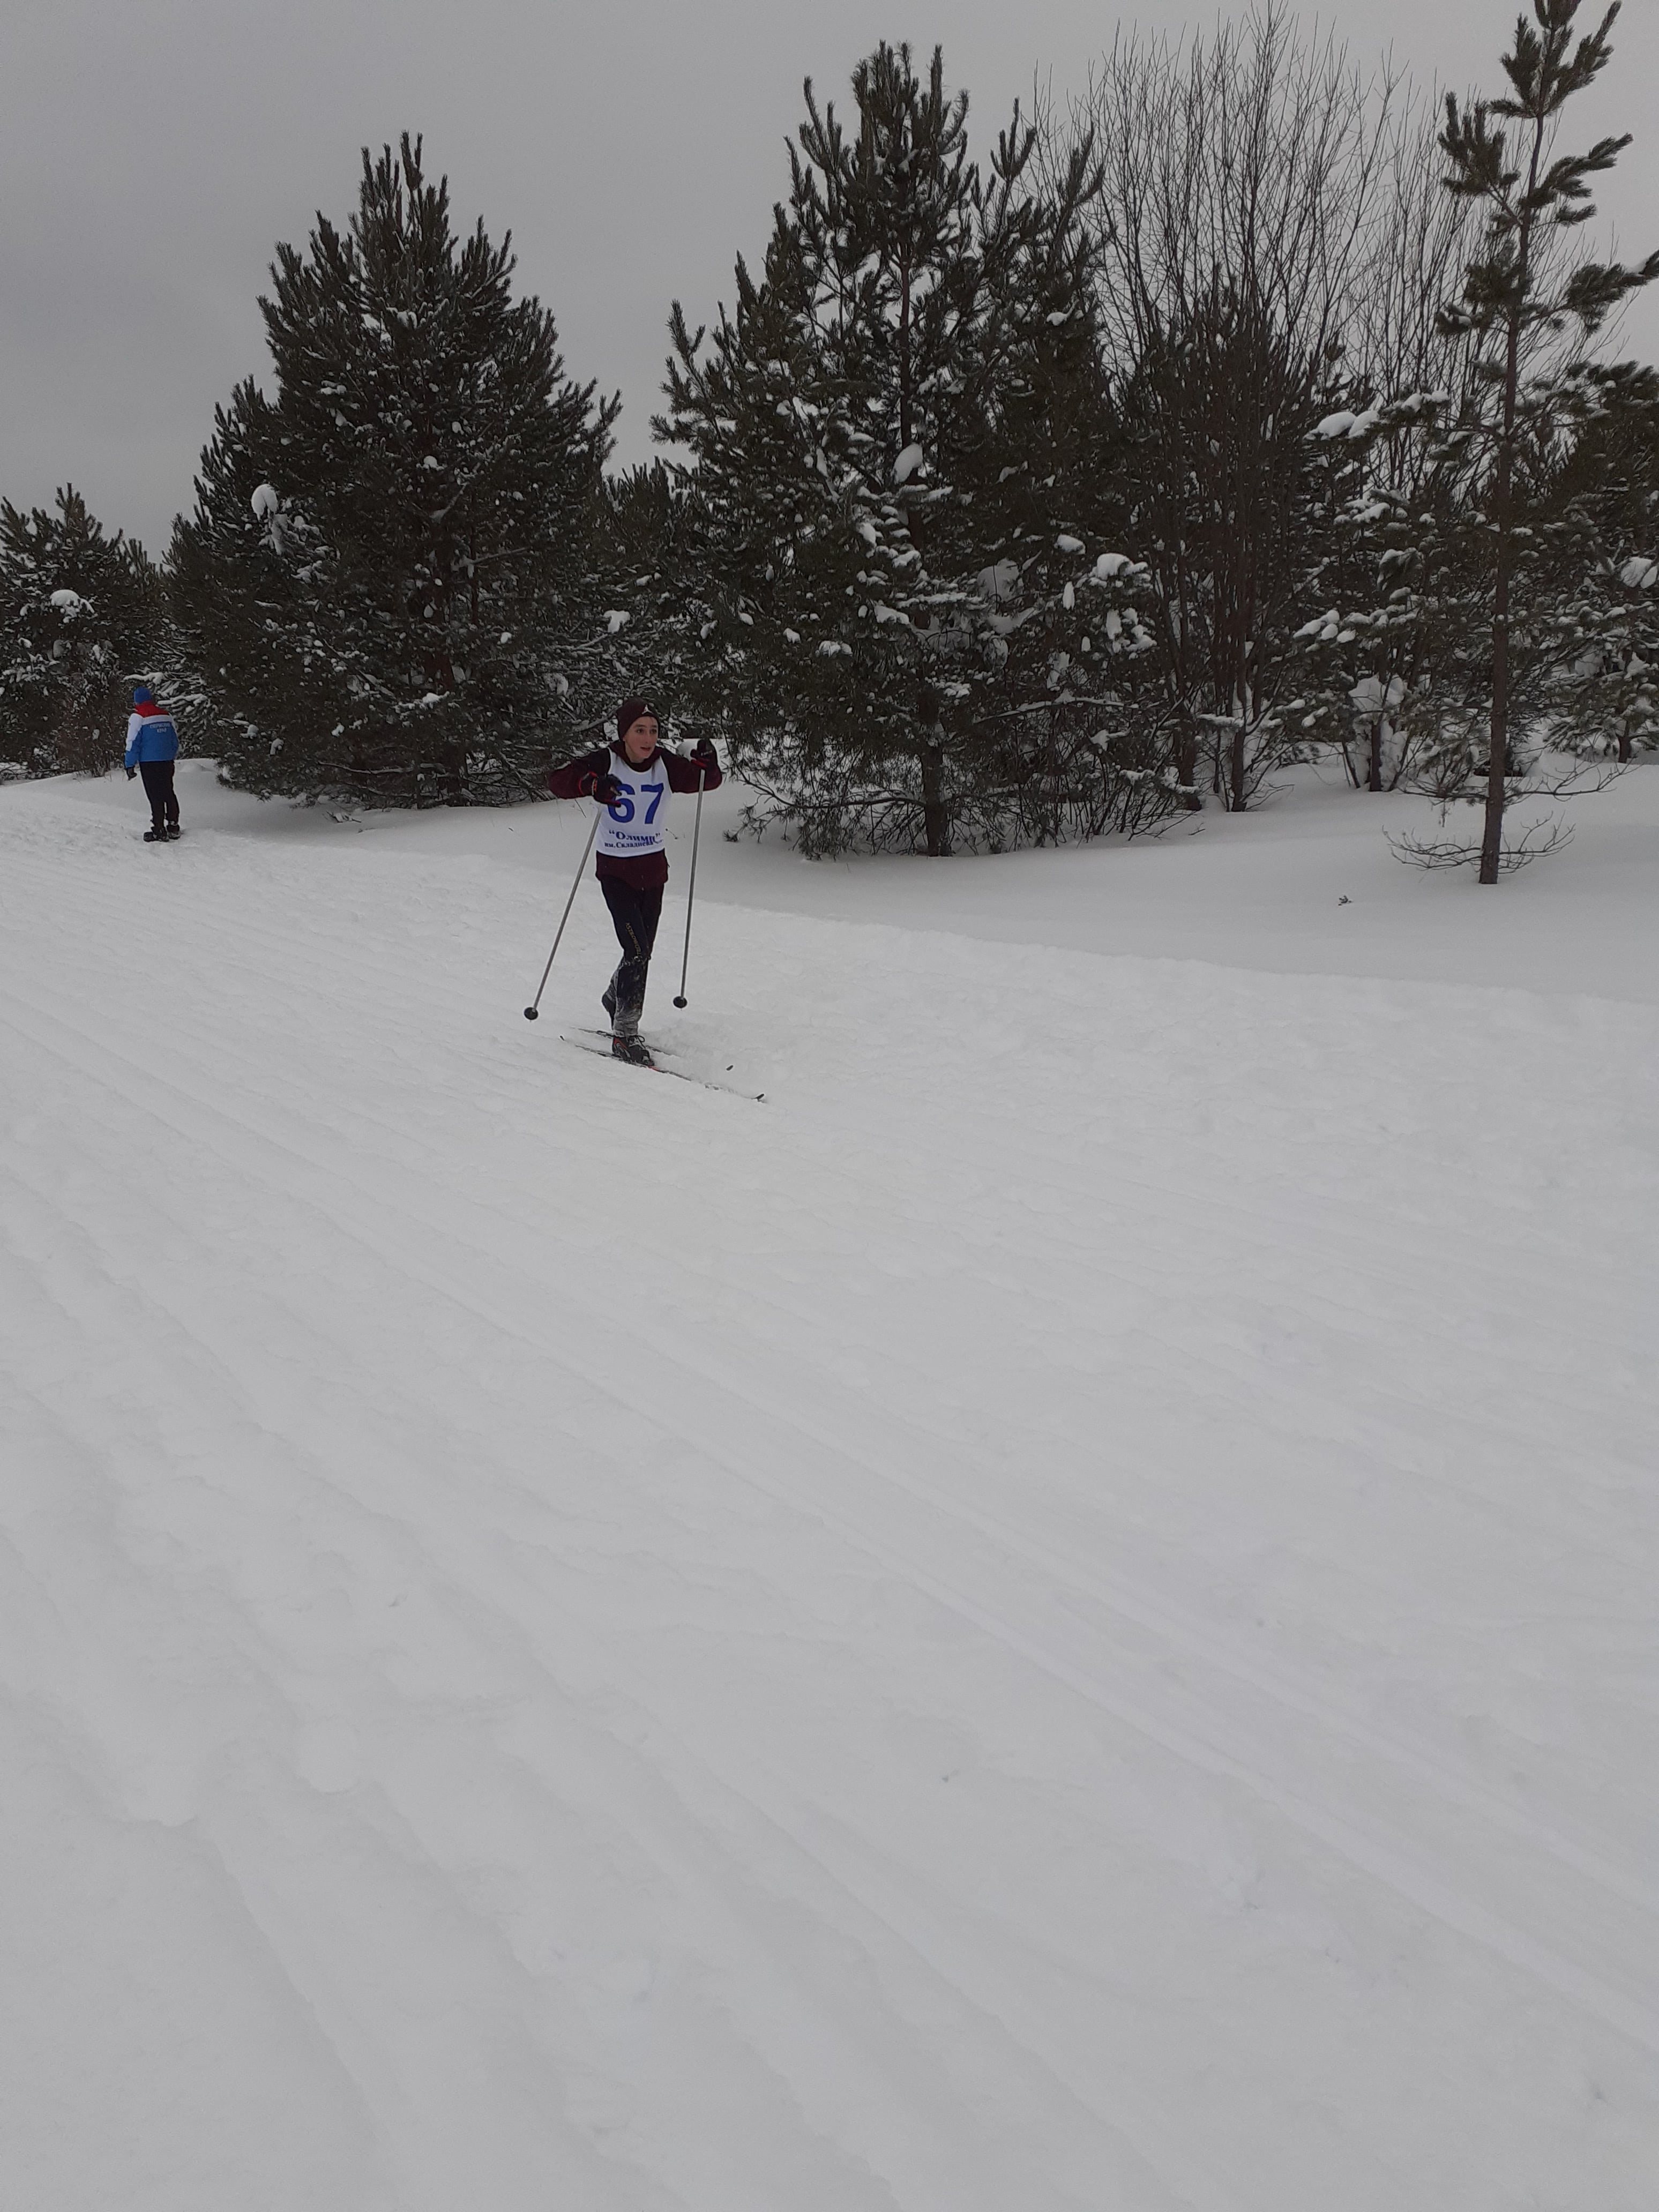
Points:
(636, 822)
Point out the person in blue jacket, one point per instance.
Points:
(152, 748)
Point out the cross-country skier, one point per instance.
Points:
(152, 748)
(631, 780)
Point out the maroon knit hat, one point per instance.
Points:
(630, 712)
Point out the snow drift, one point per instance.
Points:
(1061, 1615)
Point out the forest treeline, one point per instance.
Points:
(1243, 408)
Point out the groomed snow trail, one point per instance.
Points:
(1062, 1615)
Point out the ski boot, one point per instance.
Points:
(172, 831)
(156, 836)
(632, 1048)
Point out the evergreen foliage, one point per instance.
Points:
(82, 617)
(1508, 616)
(1233, 512)
(900, 454)
(1413, 662)
(1010, 501)
(387, 589)
(1611, 478)
(652, 544)
(1262, 238)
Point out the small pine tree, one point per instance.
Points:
(1498, 630)
(387, 589)
(1503, 301)
(82, 615)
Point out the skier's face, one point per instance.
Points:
(640, 739)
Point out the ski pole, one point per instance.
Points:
(532, 1010)
(692, 889)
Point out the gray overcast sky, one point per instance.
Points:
(155, 150)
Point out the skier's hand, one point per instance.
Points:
(704, 754)
(131, 772)
(607, 790)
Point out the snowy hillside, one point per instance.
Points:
(1060, 1615)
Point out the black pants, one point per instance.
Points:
(158, 789)
(635, 913)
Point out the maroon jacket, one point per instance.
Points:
(577, 778)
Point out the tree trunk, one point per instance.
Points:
(454, 775)
(935, 819)
(1491, 841)
(1374, 776)
(904, 354)
(1237, 797)
(1186, 764)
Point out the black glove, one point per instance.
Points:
(131, 772)
(704, 754)
(598, 783)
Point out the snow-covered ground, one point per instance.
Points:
(1062, 1615)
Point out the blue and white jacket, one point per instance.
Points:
(150, 736)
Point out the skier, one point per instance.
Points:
(152, 748)
(630, 778)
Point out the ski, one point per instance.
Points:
(681, 1075)
(603, 1037)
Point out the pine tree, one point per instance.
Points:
(895, 438)
(1504, 302)
(1416, 657)
(652, 541)
(82, 616)
(1264, 235)
(1611, 481)
(1232, 513)
(1403, 655)
(388, 588)
(1508, 620)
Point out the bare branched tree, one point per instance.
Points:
(1254, 158)
(1249, 177)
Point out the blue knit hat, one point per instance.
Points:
(143, 695)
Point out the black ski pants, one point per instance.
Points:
(635, 914)
(158, 789)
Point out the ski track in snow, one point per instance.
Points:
(1061, 1616)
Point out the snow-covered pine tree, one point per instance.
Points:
(1054, 743)
(1231, 517)
(891, 447)
(1414, 657)
(1504, 300)
(651, 551)
(1610, 706)
(1496, 574)
(1405, 641)
(388, 588)
(82, 616)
